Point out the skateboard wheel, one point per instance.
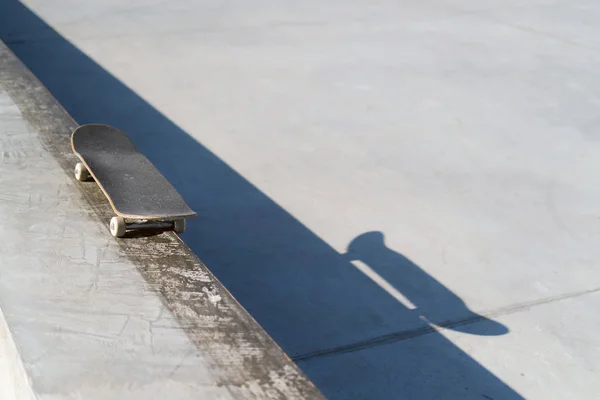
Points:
(179, 225)
(81, 172)
(117, 226)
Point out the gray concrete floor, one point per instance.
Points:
(403, 193)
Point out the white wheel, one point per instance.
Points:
(81, 172)
(117, 226)
(179, 225)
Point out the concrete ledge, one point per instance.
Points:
(93, 317)
(14, 383)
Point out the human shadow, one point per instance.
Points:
(312, 300)
(433, 302)
(418, 362)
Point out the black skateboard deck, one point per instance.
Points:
(134, 187)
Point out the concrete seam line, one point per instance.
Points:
(399, 336)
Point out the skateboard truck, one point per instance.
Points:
(118, 225)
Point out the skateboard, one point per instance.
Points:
(139, 194)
